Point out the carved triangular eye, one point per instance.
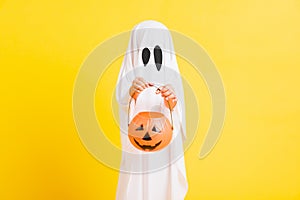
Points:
(154, 129)
(140, 128)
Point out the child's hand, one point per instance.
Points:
(169, 95)
(138, 85)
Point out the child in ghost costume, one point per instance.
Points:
(151, 61)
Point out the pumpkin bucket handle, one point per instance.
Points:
(168, 104)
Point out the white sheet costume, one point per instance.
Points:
(159, 175)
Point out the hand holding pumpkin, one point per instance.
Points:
(138, 85)
(167, 91)
(169, 95)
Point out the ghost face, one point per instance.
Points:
(151, 66)
(150, 131)
(157, 56)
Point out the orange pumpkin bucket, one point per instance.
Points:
(150, 128)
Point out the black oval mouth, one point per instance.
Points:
(147, 147)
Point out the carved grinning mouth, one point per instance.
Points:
(147, 147)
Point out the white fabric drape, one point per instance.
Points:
(157, 175)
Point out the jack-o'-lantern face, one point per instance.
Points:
(150, 131)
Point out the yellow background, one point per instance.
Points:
(255, 45)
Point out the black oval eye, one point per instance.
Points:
(158, 57)
(145, 56)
